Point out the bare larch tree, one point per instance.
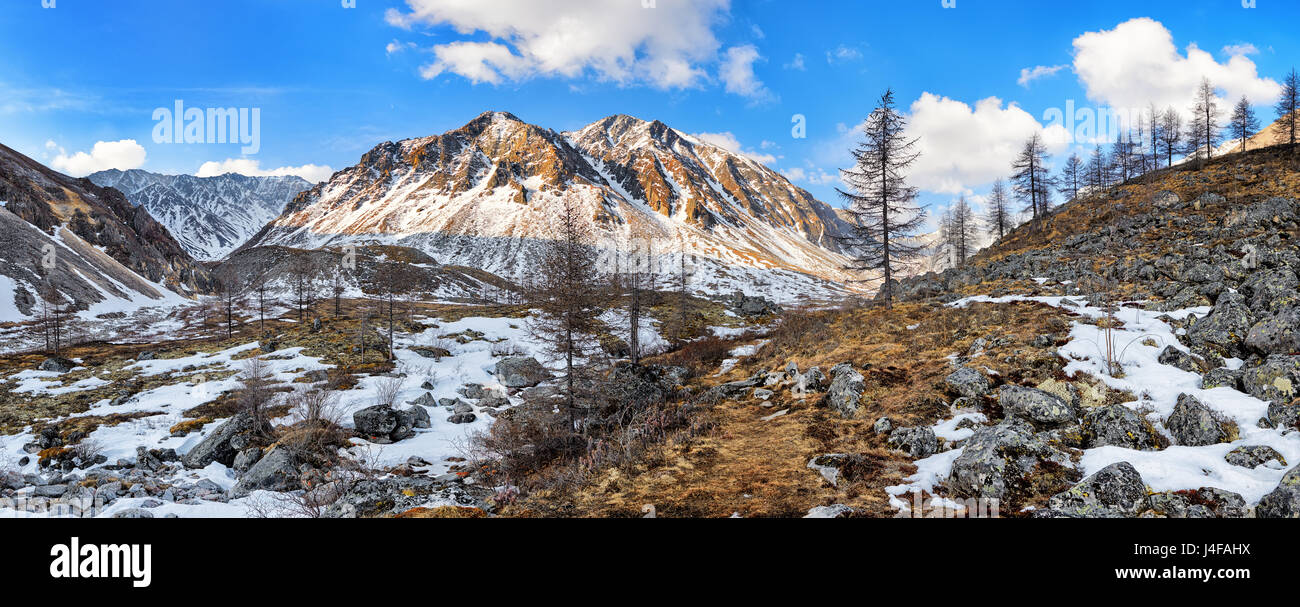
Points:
(881, 205)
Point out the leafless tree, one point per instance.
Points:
(1032, 182)
(882, 206)
(1244, 123)
(1287, 108)
(1171, 133)
(1203, 131)
(303, 273)
(1071, 177)
(999, 215)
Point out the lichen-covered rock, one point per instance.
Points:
(55, 364)
(521, 372)
(917, 442)
(382, 423)
(1119, 426)
(1040, 408)
(883, 425)
(275, 471)
(1206, 502)
(1182, 360)
(1276, 334)
(967, 382)
(1284, 501)
(1195, 424)
(845, 393)
(1225, 329)
(1254, 456)
(225, 442)
(1002, 460)
(1116, 491)
(813, 380)
(1222, 377)
(419, 417)
(1275, 381)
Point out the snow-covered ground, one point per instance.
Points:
(1157, 387)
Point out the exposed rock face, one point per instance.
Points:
(1206, 502)
(275, 471)
(1276, 334)
(486, 192)
(208, 216)
(104, 246)
(1254, 456)
(1276, 380)
(1116, 491)
(1119, 426)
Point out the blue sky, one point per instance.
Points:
(331, 82)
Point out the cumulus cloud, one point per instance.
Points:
(252, 168)
(125, 155)
(1028, 74)
(810, 176)
(842, 54)
(963, 147)
(737, 72)
(625, 42)
(729, 142)
(1137, 63)
(796, 64)
(1244, 48)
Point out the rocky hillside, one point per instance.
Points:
(88, 242)
(485, 196)
(209, 216)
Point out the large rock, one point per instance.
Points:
(1116, 491)
(813, 380)
(917, 442)
(223, 444)
(521, 372)
(55, 364)
(1284, 501)
(1206, 502)
(382, 423)
(276, 471)
(1254, 456)
(419, 417)
(1042, 409)
(967, 382)
(1001, 460)
(1182, 360)
(845, 393)
(1276, 334)
(1119, 426)
(1275, 381)
(1195, 424)
(1224, 330)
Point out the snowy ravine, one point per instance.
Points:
(1157, 387)
(469, 363)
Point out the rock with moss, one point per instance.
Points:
(1000, 461)
(1275, 381)
(1119, 426)
(521, 372)
(1116, 491)
(223, 444)
(1284, 501)
(275, 471)
(1177, 358)
(1276, 334)
(917, 442)
(1222, 377)
(1206, 502)
(1195, 424)
(1225, 329)
(967, 382)
(1254, 456)
(845, 393)
(1042, 409)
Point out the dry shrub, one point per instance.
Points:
(700, 356)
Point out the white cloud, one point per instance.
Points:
(842, 54)
(729, 142)
(963, 147)
(1137, 63)
(125, 155)
(252, 168)
(1244, 48)
(796, 64)
(811, 175)
(397, 47)
(622, 42)
(737, 72)
(1028, 75)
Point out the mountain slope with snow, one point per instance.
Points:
(487, 195)
(209, 216)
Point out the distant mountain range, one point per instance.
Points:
(100, 252)
(485, 195)
(209, 216)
